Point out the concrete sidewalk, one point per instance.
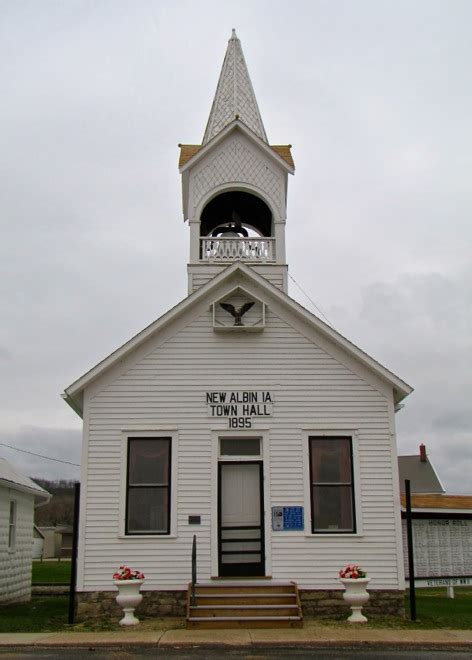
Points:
(302, 637)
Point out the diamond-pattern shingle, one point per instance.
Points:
(234, 95)
(237, 162)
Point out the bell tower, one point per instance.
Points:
(234, 184)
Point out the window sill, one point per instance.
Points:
(147, 536)
(327, 535)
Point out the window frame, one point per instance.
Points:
(240, 456)
(169, 487)
(352, 484)
(12, 525)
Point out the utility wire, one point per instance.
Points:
(39, 455)
(312, 301)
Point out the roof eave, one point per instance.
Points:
(75, 404)
(42, 496)
(74, 392)
(236, 124)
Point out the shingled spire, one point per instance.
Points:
(234, 96)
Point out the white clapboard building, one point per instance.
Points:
(19, 496)
(238, 417)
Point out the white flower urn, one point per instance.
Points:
(356, 595)
(128, 599)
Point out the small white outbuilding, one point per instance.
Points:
(19, 495)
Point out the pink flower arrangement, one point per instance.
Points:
(352, 571)
(126, 573)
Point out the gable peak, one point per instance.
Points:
(234, 97)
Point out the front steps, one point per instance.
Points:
(244, 604)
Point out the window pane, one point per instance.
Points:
(148, 510)
(331, 460)
(149, 461)
(240, 447)
(12, 524)
(333, 509)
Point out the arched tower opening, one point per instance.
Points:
(236, 214)
(236, 225)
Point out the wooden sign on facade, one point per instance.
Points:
(239, 406)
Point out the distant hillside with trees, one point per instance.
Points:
(60, 509)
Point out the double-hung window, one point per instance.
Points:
(332, 485)
(148, 486)
(12, 526)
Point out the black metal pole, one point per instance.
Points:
(194, 569)
(73, 561)
(411, 559)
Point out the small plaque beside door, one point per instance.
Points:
(194, 520)
(287, 518)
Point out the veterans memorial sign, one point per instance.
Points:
(239, 406)
(442, 549)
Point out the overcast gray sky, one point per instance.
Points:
(375, 97)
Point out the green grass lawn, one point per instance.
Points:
(42, 614)
(50, 613)
(51, 571)
(435, 610)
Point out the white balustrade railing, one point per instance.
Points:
(246, 249)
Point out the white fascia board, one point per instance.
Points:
(42, 495)
(73, 394)
(75, 404)
(467, 511)
(185, 194)
(400, 387)
(436, 474)
(236, 125)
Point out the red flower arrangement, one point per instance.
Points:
(126, 573)
(352, 572)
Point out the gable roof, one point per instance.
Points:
(421, 474)
(10, 477)
(73, 394)
(188, 151)
(278, 153)
(234, 95)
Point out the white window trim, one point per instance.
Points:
(161, 433)
(263, 434)
(12, 525)
(354, 435)
(227, 458)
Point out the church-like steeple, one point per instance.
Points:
(234, 96)
(234, 185)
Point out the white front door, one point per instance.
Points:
(241, 542)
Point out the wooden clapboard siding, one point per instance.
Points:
(200, 274)
(166, 389)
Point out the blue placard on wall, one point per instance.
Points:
(287, 518)
(293, 518)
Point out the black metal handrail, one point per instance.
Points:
(194, 569)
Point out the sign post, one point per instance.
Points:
(75, 544)
(411, 560)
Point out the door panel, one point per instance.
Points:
(241, 542)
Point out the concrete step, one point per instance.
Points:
(230, 611)
(244, 589)
(225, 604)
(245, 622)
(248, 599)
